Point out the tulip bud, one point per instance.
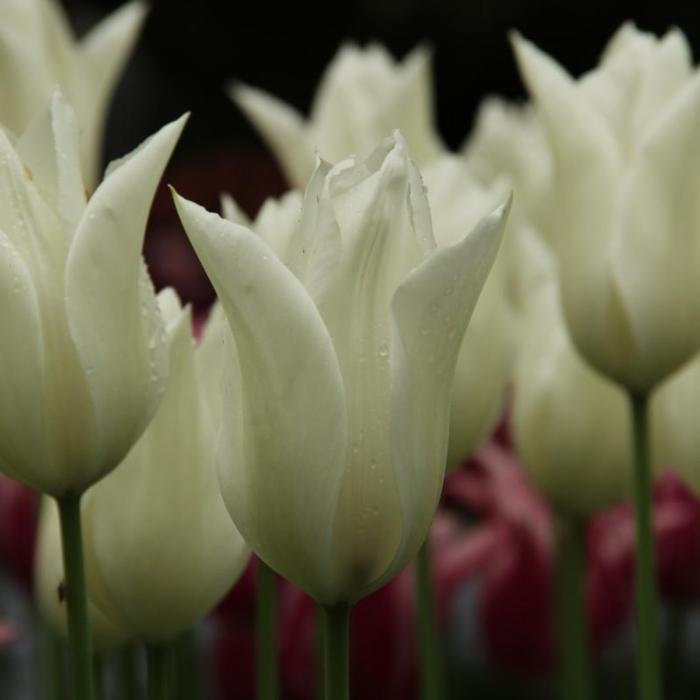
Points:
(363, 95)
(83, 356)
(626, 224)
(572, 425)
(338, 382)
(36, 41)
(162, 549)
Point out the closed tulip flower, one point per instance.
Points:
(625, 218)
(83, 356)
(39, 51)
(364, 94)
(337, 391)
(161, 548)
(577, 452)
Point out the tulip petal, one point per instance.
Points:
(430, 312)
(284, 441)
(657, 273)
(23, 444)
(132, 512)
(50, 150)
(110, 304)
(281, 127)
(104, 52)
(588, 173)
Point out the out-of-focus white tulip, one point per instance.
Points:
(458, 201)
(83, 357)
(626, 225)
(49, 586)
(38, 51)
(364, 95)
(571, 425)
(161, 547)
(338, 387)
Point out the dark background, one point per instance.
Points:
(190, 49)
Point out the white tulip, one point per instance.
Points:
(162, 549)
(83, 357)
(337, 397)
(626, 225)
(38, 51)
(364, 95)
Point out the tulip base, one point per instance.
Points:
(648, 660)
(431, 659)
(266, 633)
(336, 634)
(574, 646)
(75, 591)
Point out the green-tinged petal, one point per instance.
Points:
(281, 127)
(585, 204)
(381, 209)
(161, 540)
(50, 150)
(657, 256)
(110, 304)
(284, 436)
(430, 311)
(104, 51)
(23, 440)
(571, 424)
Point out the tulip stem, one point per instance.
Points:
(431, 658)
(336, 628)
(75, 591)
(648, 663)
(159, 664)
(266, 637)
(574, 650)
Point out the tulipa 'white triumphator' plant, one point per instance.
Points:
(83, 356)
(626, 225)
(161, 547)
(38, 51)
(363, 95)
(337, 393)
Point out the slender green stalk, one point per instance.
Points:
(98, 670)
(336, 633)
(575, 669)
(266, 638)
(648, 664)
(53, 666)
(160, 669)
(431, 658)
(320, 653)
(129, 687)
(188, 671)
(76, 598)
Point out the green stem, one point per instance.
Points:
(430, 648)
(574, 649)
(266, 637)
(320, 648)
(128, 673)
(336, 633)
(158, 662)
(76, 598)
(648, 665)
